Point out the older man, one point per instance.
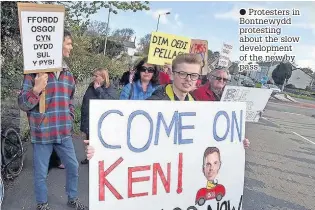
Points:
(212, 91)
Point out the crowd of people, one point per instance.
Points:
(51, 132)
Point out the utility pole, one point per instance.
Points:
(106, 31)
(157, 26)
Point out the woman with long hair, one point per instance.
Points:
(145, 82)
(100, 88)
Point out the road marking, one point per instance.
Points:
(303, 137)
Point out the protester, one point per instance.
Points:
(127, 76)
(52, 129)
(144, 83)
(186, 71)
(212, 90)
(164, 76)
(100, 88)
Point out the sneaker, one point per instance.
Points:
(85, 161)
(77, 205)
(43, 206)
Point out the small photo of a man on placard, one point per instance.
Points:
(211, 165)
(210, 168)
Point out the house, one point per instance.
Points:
(300, 79)
(130, 47)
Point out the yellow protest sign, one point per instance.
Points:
(165, 47)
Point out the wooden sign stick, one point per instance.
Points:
(42, 104)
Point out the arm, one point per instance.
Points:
(124, 95)
(27, 98)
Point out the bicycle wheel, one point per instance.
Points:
(12, 151)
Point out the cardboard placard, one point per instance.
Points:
(150, 155)
(41, 28)
(256, 99)
(165, 47)
(200, 47)
(225, 55)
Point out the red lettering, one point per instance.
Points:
(131, 180)
(104, 182)
(166, 183)
(198, 48)
(180, 174)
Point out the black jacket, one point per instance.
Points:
(160, 94)
(102, 92)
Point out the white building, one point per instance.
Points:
(130, 47)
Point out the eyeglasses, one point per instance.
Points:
(221, 78)
(149, 69)
(184, 75)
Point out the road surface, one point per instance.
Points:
(280, 166)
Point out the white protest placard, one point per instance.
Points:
(41, 27)
(225, 55)
(166, 155)
(256, 99)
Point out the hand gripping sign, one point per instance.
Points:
(41, 27)
(166, 155)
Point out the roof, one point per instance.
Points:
(129, 44)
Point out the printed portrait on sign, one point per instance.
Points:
(210, 168)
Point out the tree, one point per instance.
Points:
(145, 44)
(121, 5)
(234, 68)
(282, 73)
(97, 28)
(77, 20)
(78, 12)
(210, 53)
(122, 35)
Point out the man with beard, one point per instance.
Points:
(53, 129)
(212, 91)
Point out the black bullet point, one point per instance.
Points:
(242, 11)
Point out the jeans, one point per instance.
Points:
(41, 156)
